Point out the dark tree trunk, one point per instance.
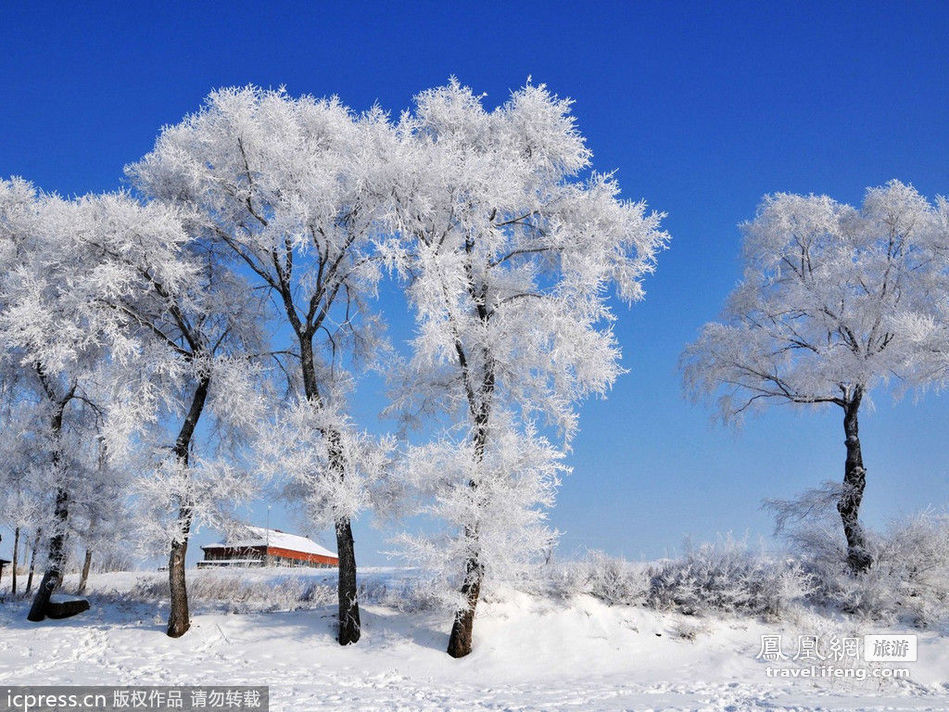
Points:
(57, 556)
(53, 576)
(349, 629)
(462, 629)
(16, 551)
(179, 619)
(347, 593)
(86, 563)
(36, 546)
(855, 480)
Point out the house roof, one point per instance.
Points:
(258, 536)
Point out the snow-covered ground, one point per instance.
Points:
(531, 653)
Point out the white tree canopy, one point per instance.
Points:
(182, 320)
(824, 307)
(293, 187)
(511, 254)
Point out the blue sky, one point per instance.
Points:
(701, 108)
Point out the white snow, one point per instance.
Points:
(259, 536)
(62, 598)
(530, 653)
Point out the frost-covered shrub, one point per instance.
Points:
(909, 579)
(610, 579)
(247, 590)
(615, 580)
(908, 582)
(726, 578)
(240, 593)
(411, 595)
(687, 630)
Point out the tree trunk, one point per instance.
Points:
(855, 480)
(16, 551)
(57, 543)
(462, 629)
(36, 545)
(349, 629)
(347, 593)
(86, 563)
(179, 619)
(57, 556)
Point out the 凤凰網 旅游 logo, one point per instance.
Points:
(890, 648)
(895, 648)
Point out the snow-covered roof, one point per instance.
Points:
(258, 536)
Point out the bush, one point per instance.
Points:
(242, 591)
(908, 582)
(610, 579)
(411, 595)
(726, 578)
(256, 590)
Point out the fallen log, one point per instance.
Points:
(62, 607)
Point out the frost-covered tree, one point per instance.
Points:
(293, 445)
(295, 189)
(53, 361)
(117, 323)
(186, 329)
(509, 253)
(818, 317)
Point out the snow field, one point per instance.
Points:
(532, 652)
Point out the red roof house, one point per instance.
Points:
(268, 547)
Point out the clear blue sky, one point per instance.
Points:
(700, 107)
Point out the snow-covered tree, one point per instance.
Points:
(117, 323)
(295, 189)
(292, 445)
(819, 317)
(52, 362)
(510, 253)
(186, 329)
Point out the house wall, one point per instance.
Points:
(276, 556)
(304, 559)
(224, 553)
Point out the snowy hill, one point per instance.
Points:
(531, 652)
